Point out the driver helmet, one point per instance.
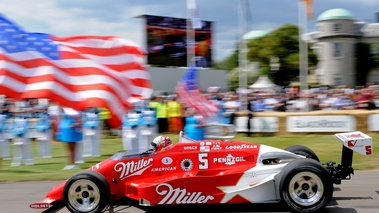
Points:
(161, 142)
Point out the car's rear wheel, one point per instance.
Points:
(303, 151)
(87, 192)
(305, 186)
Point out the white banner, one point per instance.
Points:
(373, 122)
(332, 123)
(258, 124)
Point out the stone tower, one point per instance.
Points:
(337, 36)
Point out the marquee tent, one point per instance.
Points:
(263, 83)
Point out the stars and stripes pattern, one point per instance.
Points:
(190, 95)
(76, 72)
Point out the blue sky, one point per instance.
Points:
(117, 17)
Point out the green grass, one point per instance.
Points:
(325, 146)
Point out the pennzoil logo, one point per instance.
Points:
(229, 160)
(132, 168)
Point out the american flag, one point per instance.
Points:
(190, 95)
(76, 72)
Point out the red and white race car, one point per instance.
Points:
(208, 172)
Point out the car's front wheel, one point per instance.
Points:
(305, 186)
(87, 192)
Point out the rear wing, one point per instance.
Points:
(356, 141)
(352, 141)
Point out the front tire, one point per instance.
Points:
(87, 192)
(305, 186)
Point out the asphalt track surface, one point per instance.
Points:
(359, 195)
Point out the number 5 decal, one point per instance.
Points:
(368, 150)
(203, 159)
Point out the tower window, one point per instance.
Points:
(337, 27)
(338, 79)
(337, 50)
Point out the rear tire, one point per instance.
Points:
(305, 186)
(87, 191)
(303, 151)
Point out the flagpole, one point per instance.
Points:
(190, 37)
(303, 48)
(242, 55)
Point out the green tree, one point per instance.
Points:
(228, 63)
(284, 44)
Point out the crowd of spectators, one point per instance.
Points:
(286, 100)
(291, 100)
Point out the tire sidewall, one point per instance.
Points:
(305, 165)
(97, 179)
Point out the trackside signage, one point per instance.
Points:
(336, 123)
(373, 122)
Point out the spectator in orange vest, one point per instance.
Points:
(174, 113)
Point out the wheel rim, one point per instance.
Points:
(84, 195)
(306, 188)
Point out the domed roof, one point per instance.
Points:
(337, 13)
(254, 34)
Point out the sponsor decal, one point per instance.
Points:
(355, 136)
(208, 143)
(190, 148)
(132, 168)
(202, 143)
(95, 167)
(186, 164)
(229, 160)
(39, 205)
(320, 124)
(205, 148)
(167, 160)
(180, 196)
(163, 169)
(216, 147)
(351, 143)
(243, 146)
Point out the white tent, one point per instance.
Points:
(263, 83)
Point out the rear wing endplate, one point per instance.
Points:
(356, 141)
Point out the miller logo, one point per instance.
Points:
(132, 168)
(180, 196)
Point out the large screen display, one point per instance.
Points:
(167, 42)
